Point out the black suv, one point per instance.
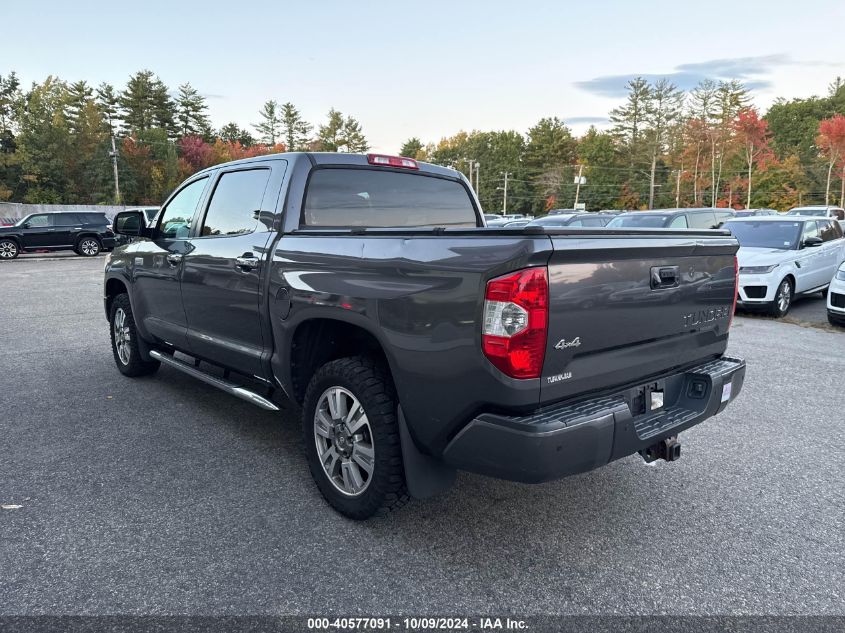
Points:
(85, 232)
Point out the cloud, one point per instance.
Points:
(749, 70)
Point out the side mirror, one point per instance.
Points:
(26, 225)
(813, 241)
(130, 223)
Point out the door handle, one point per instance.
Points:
(174, 259)
(665, 276)
(247, 261)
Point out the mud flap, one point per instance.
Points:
(425, 476)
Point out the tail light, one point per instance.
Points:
(516, 316)
(736, 292)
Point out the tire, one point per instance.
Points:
(88, 247)
(124, 340)
(836, 321)
(9, 249)
(370, 439)
(783, 299)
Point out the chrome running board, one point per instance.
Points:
(214, 381)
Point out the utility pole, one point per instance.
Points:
(477, 179)
(578, 185)
(114, 164)
(678, 191)
(505, 198)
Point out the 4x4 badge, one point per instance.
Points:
(563, 343)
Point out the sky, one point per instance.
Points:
(428, 69)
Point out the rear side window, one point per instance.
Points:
(65, 219)
(370, 198)
(704, 220)
(592, 222)
(679, 223)
(723, 216)
(236, 203)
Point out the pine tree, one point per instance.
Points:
(268, 127)
(411, 147)
(145, 104)
(356, 142)
(341, 135)
(662, 112)
(136, 102)
(295, 129)
(164, 109)
(191, 117)
(9, 91)
(79, 94)
(107, 101)
(629, 119)
(232, 133)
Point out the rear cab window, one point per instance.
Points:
(370, 198)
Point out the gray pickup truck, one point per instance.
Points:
(367, 290)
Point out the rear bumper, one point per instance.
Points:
(566, 439)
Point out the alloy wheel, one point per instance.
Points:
(8, 249)
(122, 336)
(89, 247)
(784, 295)
(344, 441)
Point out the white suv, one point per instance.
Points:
(836, 298)
(781, 257)
(821, 211)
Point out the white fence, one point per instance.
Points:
(13, 211)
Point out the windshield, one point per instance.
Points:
(636, 220)
(21, 221)
(811, 213)
(761, 234)
(555, 220)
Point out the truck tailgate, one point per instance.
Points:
(623, 308)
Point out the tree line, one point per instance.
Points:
(59, 141)
(663, 148)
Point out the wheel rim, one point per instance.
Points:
(8, 250)
(784, 296)
(89, 247)
(121, 336)
(344, 441)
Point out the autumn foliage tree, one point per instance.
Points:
(831, 144)
(752, 136)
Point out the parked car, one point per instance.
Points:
(492, 217)
(563, 211)
(415, 341)
(836, 298)
(704, 218)
(780, 257)
(573, 220)
(85, 232)
(515, 224)
(747, 213)
(819, 211)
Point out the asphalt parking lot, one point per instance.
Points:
(163, 495)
